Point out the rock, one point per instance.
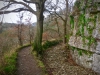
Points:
(98, 48)
(96, 63)
(84, 60)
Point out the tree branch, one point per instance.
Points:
(7, 6)
(56, 14)
(22, 3)
(15, 10)
(34, 12)
(59, 16)
(33, 1)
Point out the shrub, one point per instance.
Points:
(48, 44)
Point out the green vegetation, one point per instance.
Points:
(45, 46)
(84, 25)
(49, 44)
(21, 47)
(81, 51)
(39, 62)
(8, 66)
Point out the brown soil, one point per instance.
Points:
(27, 64)
(57, 63)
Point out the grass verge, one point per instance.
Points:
(9, 60)
(8, 66)
(40, 63)
(39, 58)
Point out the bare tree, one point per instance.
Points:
(20, 28)
(30, 28)
(0, 27)
(38, 12)
(1, 23)
(61, 9)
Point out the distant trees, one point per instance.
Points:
(8, 42)
(20, 28)
(30, 28)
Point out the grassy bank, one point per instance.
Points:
(8, 65)
(9, 60)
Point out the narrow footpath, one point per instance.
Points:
(26, 64)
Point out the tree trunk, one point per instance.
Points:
(65, 32)
(57, 27)
(20, 35)
(39, 31)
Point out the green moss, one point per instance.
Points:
(81, 51)
(83, 23)
(21, 47)
(49, 44)
(41, 64)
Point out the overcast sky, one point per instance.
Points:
(13, 17)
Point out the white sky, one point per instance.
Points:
(13, 17)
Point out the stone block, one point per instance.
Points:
(84, 60)
(96, 63)
(78, 43)
(75, 56)
(95, 33)
(98, 48)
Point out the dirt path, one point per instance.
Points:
(57, 63)
(26, 63)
